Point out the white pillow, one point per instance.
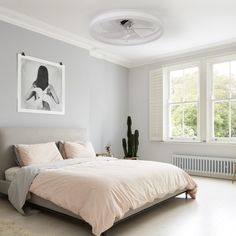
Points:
(37, 153)
(78, 150)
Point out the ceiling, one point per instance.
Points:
(188, 24)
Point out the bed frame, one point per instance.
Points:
(11, 136)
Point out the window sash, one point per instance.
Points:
(169, 103)
(229, 104)
(212, 101)
(183, 136)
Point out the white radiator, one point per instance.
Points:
(206, 166)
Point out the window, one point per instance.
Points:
(223, 101)
(183, 103)
(181, 111)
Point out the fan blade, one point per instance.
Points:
(130, 33)
(119, 34)
(143, 28)
(136, 33)
(126, 36)
(143, 32)
(112, 32)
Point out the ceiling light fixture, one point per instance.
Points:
(126, 27)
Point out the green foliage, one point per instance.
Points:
(190, 120)
(224, 87)
(221, 126)
(184, 88)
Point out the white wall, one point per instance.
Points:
(96, 90)
(139, 110)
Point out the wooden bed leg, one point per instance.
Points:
(186, 195)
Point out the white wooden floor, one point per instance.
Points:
(213, 213)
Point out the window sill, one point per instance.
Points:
(198, 143)
(182, 141)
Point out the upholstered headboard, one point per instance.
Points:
(11, 136)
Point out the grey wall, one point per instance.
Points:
(98, 94)
(139, 110)
(96, 90)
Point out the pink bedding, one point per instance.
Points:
(102, 190)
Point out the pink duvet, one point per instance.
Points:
(101, 191)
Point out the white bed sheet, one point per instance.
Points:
(11, 173)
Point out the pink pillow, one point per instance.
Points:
(37, 153)
(78, 150)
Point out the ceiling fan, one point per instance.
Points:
(128, 27)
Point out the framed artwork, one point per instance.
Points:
(41, 86)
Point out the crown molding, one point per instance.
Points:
(48, 30)
(216, 47)
(102, 54)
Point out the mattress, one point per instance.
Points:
(11, 173)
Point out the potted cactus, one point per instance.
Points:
(131, 145)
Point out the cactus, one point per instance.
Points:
(129, 136)
(132, 141)
(124, 147)
(136, 142)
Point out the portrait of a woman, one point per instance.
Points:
(41, 86)
(42, 91)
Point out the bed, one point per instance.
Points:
(11, 136)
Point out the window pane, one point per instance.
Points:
(176, 120)
(190, 120)
(176, 85)
(233, 79)
(221, 80)
(233, 119)
(221, 119)
(190, 84)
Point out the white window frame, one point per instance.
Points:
(166, 103)
(211, 100)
